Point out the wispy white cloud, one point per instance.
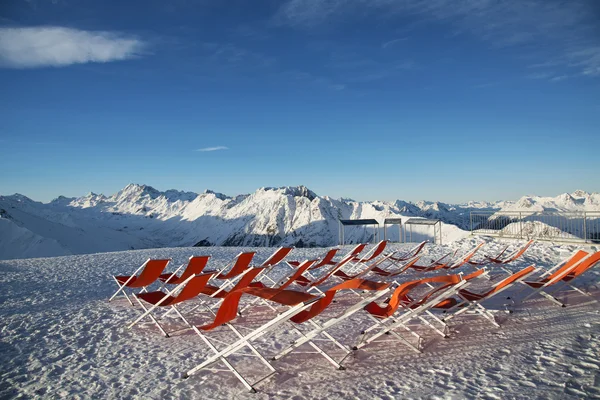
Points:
(216, 148)
(393, 42)
(34, 47)
(547, 31)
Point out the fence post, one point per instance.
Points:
(471, 221)
(520, 226)
(584, 227)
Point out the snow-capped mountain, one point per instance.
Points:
(139, 216)
(569, 202)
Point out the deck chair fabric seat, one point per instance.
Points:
(466, 299)
(149, 273)
(555, 275)
(409, 254)
(327, 259)
(195, 266)
(499, 259)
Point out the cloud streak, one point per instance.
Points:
(215, 148)
(37, 47)
(393, 42)
(563, 33)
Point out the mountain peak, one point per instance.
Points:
(218, 195)
(295, 191)
(580, 193)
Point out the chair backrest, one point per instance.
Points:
(567, 268)
(242, 263)
(583, 266)
(333, 270)
(327, 259)
(357, 249)
(510, 280)
(277, 257)
(228, 310)
(416, 250)
(519, 253)
(194, 267)
(299, 271)
(192, 288)
(376, 251)
(150, 273)
(475, 274)
(321, 304)
(247, 278)
(466, 258)
(401, 292)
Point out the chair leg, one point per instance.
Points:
(223, 360)
(552, 298)
(148, 313)
(121, 289)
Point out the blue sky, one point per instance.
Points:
(381, 99)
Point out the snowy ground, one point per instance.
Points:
(60, 338)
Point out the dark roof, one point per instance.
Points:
(392, 221)
(421, 221)
(359, 222)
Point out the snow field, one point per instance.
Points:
(60, 338)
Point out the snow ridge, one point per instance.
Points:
(140, 216)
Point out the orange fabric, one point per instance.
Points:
(302, 281)
(402, 292)
(327, 260)
(464, 260)
(520, 253)
(471, 296)
(411, 255)
(497, 260)
(447, 303)
(583, 266)
(434, 266)
(378, 250)
(241, 264)
(277, 257)
(398, 272)
(336, 268)
(245, 281)
(192, 289)
(560, 273)
(229, 308)
(194, 267)
(298, 273)
(474, 274)
(324, 302)
(149, 274)
(358, 249)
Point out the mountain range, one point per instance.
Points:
(139, 216)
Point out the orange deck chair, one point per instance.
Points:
(453, 262)
(402, 307)
(392, 305)
(468, 300)
(304, 307)
(552, 277)
(189, 289)
(498, 259)
(565, 275)
(327, 259)
(195, 266)
(582, 267)
(372, 254)
(150, 272)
